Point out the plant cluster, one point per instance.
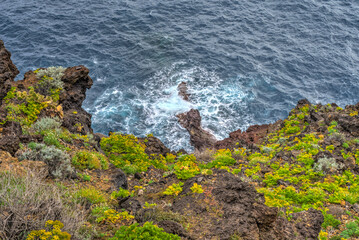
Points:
(148, 231)
(174, 189)
(126, 152)
(50, 82)
(58, 161)
(105, 214)
(53, 232)
(186, 167)
(89, 160)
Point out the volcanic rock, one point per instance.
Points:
(199, 138)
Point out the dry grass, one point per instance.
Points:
(26, 203)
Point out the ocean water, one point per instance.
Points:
(245, 62)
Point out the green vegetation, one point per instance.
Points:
(147, 231)
(126, 152)
(89, 160)
(53, 232)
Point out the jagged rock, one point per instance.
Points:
(349, 124)
(130, 204)
(199, 138)
(8, 71)
(242, 212)
(182, 91)
(246, 139)
(10, 144)
(76, 82)
(173, 228)
(11, 128)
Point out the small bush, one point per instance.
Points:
(46, 123)
(121, 193)
(53, 232)
(126, 152)
(186, 167)
(51, 139)
(222, 157)
(50, 79)
(174, 189)
(148, 231)
(352, 230)
(325, 164)
(196, 188)
(91, 195)
(105, 214)
(89, 160)
(59, 162)
(330, 220)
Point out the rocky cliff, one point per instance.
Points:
(293, 179)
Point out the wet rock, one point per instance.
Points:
(8, 71)
(183, 91)
(199, 138)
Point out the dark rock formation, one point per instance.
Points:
(173, 228)
(76, 82)
(119, 179)
(182, 91)
(8, 71)
(10, 144)
(240, 211)
(199, 138)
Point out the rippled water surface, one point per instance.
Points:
(245, 62)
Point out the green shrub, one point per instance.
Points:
(186, 167)
(91, 195)
(121, 193)
(174, 189)
(329, 220)
(222, 157)
(345, 145)
(148, 231)
(89, 160)
(51, 138)
(53, 232)
(352, 230)
(126, 152)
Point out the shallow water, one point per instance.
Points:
(245, 62)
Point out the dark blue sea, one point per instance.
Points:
(245, 61)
